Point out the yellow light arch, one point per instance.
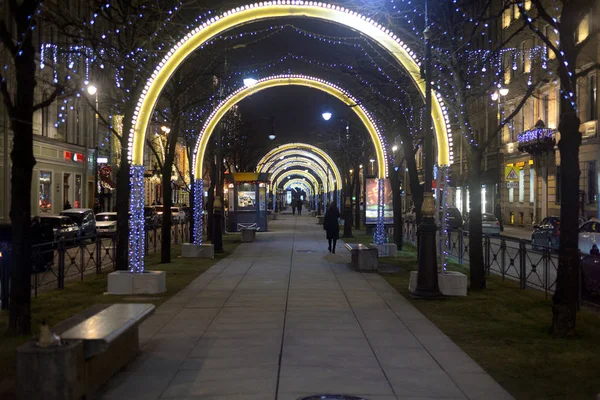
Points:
(281, 9)
(284, 80)
(283, 149)
(300, 172)
(299, 183)
(299, 164)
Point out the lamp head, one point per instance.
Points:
(503, 91)
(326, 115)
(92, 90)
(249, 82)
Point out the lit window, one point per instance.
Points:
(516, 12)
(584, 29)
(506, 18)
(521, 186)
(527, 4)
(531, 185)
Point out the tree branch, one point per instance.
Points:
(6, 95)
(57, 90)
(7, 40)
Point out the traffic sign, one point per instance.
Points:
(510, 174)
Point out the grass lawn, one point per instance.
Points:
(57, 305)
(505, 330)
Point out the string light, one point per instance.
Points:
(137, 230)
(198, 209)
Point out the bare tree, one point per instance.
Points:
(563, 42)
(18, 95)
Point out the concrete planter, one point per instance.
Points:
(190, 250)
(320, 219)
(125, 282)
(451, 283)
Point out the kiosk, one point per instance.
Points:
(247, 198)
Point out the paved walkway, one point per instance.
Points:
(282, 318)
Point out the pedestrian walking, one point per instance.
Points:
(299, 207)
(332, 226)
(294, 206)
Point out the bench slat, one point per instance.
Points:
(357, 246)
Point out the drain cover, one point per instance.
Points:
(331, 397)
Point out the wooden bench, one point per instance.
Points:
(94, 350)
(364, 257)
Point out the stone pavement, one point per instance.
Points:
(281, 318)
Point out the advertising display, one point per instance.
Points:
(246, 201)
(262, 198)
(372, 194)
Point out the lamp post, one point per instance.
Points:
(427, 280)
(93, 91)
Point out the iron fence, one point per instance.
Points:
(54, 263)
(510, 258)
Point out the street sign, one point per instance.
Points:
(510, 174)
(513, 185)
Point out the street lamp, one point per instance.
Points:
(372, 168)
(272, 137)
(394, 148)
(327, 115)
(249, 82)
(165, 129)
(92, 91)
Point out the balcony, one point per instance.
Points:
(537, 140)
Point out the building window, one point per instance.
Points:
(591, 182)
(511, 195)
(557, 189)
(458, 202)
(45, 201)
(78, 181)
(531, 185)
(516, 12)
(506, 17)
(521, 185)
(592, 98)
(583, 30)
(545, 108)
(483, 199)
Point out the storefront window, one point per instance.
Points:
(521, 186)
(458, 202)
(77, 191)
(246, 197)
(45, 201)
(531, 185)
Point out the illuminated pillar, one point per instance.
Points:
(379, 237)
(137, 229)
(197, 211)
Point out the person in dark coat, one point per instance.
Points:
(332, 226)
(299, 206)
(294, 206)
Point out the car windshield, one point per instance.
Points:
(488, 218)
(106, 217)
(75, 217)
(148, 211)
(159, 209)
(50, 222)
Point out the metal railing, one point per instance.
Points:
(54, 263)
(510, 258)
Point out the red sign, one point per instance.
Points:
(76, 157)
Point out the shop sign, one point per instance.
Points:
(75, 157)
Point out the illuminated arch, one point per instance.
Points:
(301, 148)
(299, 183)
(294, 80)
(297, 165)
(238, 17)
(309, 177)
(298, 159)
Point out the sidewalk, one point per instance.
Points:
(282, 318)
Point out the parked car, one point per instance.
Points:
(42, 256)
(84, 218)
(151, 218)
(177, 215)
(453, 219)
(589, 236)
(546, 234)
(489, 225)
(62, 228)
(106, 223)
